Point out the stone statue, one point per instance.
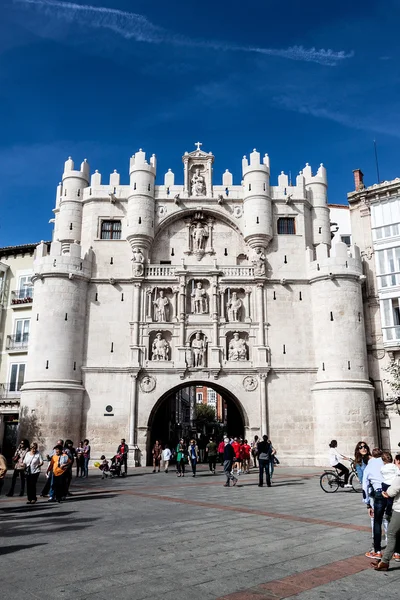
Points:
(258, 261)
(199, 300)
(199, 237)
(198, 185)
(138, 260)
(237, 348)
(234, 308)
(160, 348)
(161, 308)
(198, 350)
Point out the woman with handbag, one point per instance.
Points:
(181, 454)
(33, 461)
(19, 467)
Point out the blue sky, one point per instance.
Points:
(304, 81)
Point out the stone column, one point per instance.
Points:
(263, 404)
(186, 186)
(175, 291)
(222, 302)
(132, 409)
(260, 314)
(136, 313)
(214, 310)
(247, 304)
(210, 224)
(188, 225)
(182, 309)
(208, 178)
(149, 311)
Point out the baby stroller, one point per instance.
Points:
(116, 465)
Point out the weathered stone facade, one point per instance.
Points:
(229, 286)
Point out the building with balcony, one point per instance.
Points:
(375, 220)
(16, 297)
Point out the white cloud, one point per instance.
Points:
(137, 27)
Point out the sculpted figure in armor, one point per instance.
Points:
(160, 348)
(198, 350)
(199, 300)
(199, 235)
(259, 261)
(198, 187)
(138, 260)
(237, 348)
(234, 307)
(161, 307)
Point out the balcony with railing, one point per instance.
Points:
(17, 342)
(22, 296)
(10, 390)
(168, 271)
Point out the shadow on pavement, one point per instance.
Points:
(17, 548)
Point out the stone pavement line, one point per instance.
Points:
(250, 511)
(292, 585)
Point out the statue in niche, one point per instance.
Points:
(161, 308)
(234, 308)
(258, 261)
(138, 260)
(160, 348)
(198, 350)
(199, 235)
(198, 184)
(237, 348)
(199, 300)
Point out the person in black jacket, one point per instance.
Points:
(229, 455)
(264, 450)
(123, 450)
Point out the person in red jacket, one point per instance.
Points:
(221, 448)
(236, 448)
(245, 456)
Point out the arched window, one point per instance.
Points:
(286, 226)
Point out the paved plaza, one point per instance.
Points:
(158, 536)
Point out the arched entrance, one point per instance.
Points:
(174, 415)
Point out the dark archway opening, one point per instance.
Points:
(174, 416)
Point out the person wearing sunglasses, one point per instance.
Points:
(362, 454)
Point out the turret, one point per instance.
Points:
(257, 205)
(68, 224)
(316, 187)
(141, 202)
(343, 396)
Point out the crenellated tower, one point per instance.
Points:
(257, 204)
(316, 189)
(343, 396)
(141, 201)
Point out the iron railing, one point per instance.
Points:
(19, 341)
(22, 296)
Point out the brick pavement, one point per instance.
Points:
(157, 535)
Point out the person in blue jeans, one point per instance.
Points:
(193, 451)
(264, 452)
(372, 478)
(86, 458)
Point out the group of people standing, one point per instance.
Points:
(379, 475)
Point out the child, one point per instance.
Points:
(166, 455)
(388, 472)
(104, 467)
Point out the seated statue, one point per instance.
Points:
(160, 348)
(237, 348)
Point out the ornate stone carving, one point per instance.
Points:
(237, 348)
(161, 305)
(198, 187)
(258, 261)
(160, 348)
(147, 383)
(199, 300)
(199, 234)
(138, 262)
(250, 383)
(198, 347)
(234, 308)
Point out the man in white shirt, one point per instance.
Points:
(372, 478)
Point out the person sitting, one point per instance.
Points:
(334, 460)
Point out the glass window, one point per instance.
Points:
(199, 397)
(211, 397)
(17, 374)
(21, 330)
(25, 287)
(346, 239)
(395, 229)
(110, 230)
(286, 225)
(378, 233)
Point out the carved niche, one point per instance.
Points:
(198, 296)
(198, 350)
(160, 347)
(198, 173)
(237, 348)
(199, 235)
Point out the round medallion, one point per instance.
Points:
(147, 383)
(250, 383)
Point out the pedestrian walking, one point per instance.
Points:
(181, 453)
(86, 458)
(334, 460)
(245, 456)
(156, 452)
(71, 452)
(254, 450)
(211, 450)
(373, 479)
(229, 457)
(166, 456)
(264, 450)
(194, 457)
(392, 549)
(271, 460)
(48, 489)
(32, 461)
(58, 465)
(79, 460)
(19, 468)
(3, 471)
(123, 450)
(221, 447)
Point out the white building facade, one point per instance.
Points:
(148, 289)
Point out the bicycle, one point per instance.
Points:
(331, 481)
